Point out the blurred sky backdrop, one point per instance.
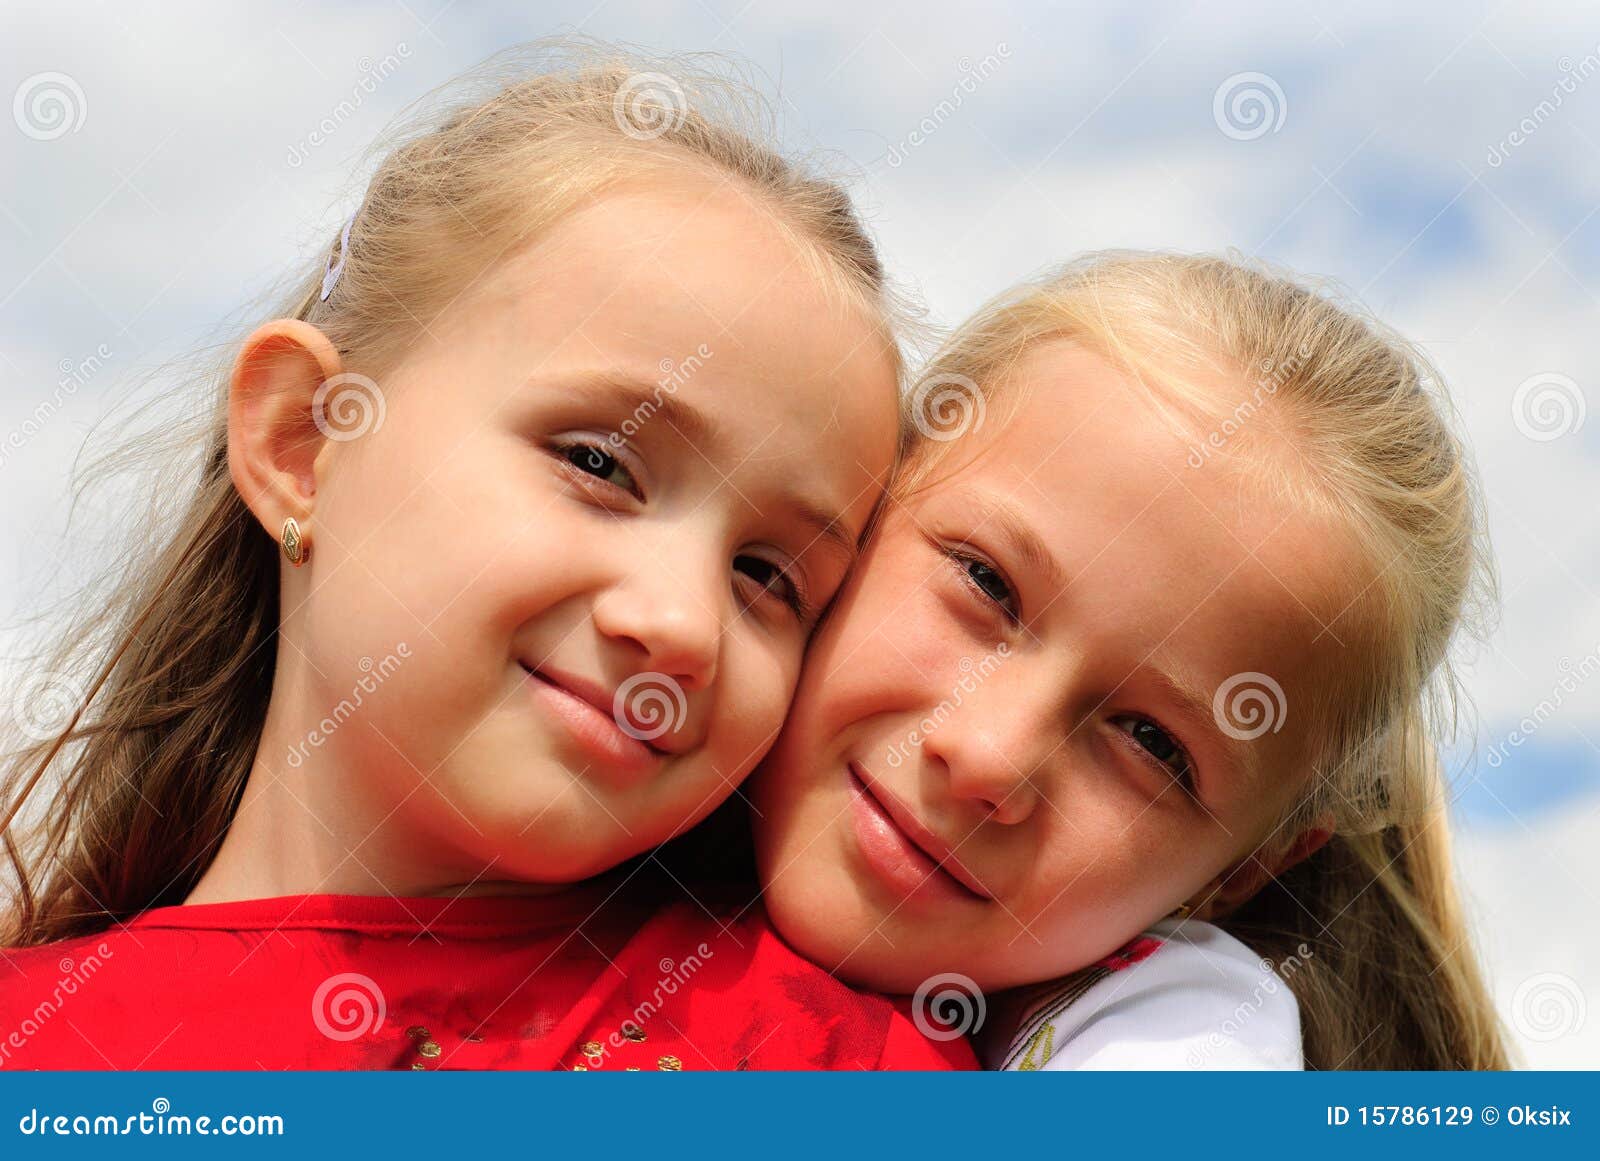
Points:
(165, 163)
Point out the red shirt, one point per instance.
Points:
(350, 982)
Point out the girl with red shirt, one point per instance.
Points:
(485, 591)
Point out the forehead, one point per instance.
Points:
(695, 282)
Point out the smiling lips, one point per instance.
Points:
(583, 708)
(906, 855)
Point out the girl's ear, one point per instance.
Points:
(1239, 883)
(273, 437)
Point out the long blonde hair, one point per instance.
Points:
(1368, 931)
(147, 770)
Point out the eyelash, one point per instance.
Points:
(1182, 773)
(963, 560)
(794, 598)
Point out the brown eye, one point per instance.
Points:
(1158, 743)
(770, 578)
(989, 581)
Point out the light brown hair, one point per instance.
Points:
(175, 664)
(1383, 965)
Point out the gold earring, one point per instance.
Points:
(294, 544)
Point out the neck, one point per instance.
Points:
(305, 827)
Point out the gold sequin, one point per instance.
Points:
(429, 1049)
(634, 1033)
(593, 1048)
(419, 1067)
(417, 1030)
(669, 1064)
(580, 1068)
(633, 1068)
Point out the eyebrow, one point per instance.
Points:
(1022, 540)
(653, 400)
(1194, 706)
(640, 395)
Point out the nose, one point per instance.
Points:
(668, 616)
(992, 763)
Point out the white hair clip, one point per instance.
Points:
(336, 265)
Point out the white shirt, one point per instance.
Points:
(1194, 998)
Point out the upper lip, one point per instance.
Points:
(592, 692)
(930, 844)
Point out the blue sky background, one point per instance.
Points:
(1390, 166)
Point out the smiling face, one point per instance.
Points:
(1003, 757)
(603, 509)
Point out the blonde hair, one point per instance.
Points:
(1370, 926)
(151, 765)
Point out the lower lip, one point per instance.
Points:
(895, 860)
(595, 735)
